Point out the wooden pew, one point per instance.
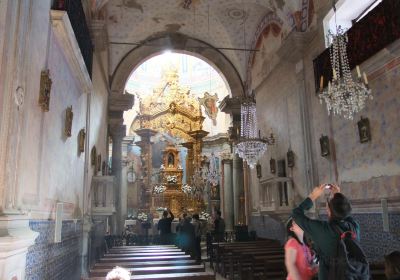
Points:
(172, 276)
(145, 264)
(142, 254)
(218, 249)
(152, 270)
(232, 257)
(144, 259)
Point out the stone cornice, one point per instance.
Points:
(67, 41)
(293, 47)
(230, 105)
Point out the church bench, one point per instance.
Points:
(231, 257)
(143, 259)
(217, 249)
(140, 254)
(223, 253)
(153, 270)
(172, 276)
(243, 259)
(265, 267)
(176, 276)
(377, 270)
(115, 250)
(146, 264)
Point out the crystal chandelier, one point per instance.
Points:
(250, 146)
(343, 96)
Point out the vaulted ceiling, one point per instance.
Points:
(220, 23)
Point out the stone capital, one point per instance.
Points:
(117, 132)
(98, 33)
(120, 102)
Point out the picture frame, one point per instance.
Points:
(290, 158)
(69, 116)
(258, 169)
(272, 165)
(364, 130)
(324, 144)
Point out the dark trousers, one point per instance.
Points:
(197, 248)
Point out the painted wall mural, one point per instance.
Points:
(272, 30)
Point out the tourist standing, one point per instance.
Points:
(219, 227)
(164, 226)
(197, 236)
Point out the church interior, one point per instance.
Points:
(230, 108)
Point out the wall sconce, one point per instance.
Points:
(81, 140)
(69, 115)
(45, 89)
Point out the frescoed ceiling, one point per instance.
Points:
(220, 23)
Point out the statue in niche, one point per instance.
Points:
(214, 195)
(364, 130)
(69, 115)
(170, 160)
(99, 162)
(290, 158)
(81, 140)
(272, 165)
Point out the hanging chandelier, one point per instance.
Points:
(250, 146)
(343, 96)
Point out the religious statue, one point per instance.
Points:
(69, 115)
(45, 89)
(81, 140)
(170, 160)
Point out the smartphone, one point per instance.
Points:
(328, 186)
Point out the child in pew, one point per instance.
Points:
(392, 265)
(118, 273)
(298, 258)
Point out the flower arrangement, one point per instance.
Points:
(172, 179)
(204, 216)
(142, 217)
(186, 189)
(159, 189)
(161, 209)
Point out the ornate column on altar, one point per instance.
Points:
(189, 161)
(228, 193)
(146, 157)
(198, 136)
(117, 133)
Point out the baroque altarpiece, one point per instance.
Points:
(171, 109)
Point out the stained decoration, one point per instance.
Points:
(209, 102)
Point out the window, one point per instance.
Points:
(347, 12)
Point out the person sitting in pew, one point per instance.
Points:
(298, 259)
(118, 273)
(392, 265)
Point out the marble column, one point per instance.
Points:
(237, 185)
(117, 133)
(228, 194)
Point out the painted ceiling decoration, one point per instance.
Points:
(222, 24)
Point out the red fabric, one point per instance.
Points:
(303, 259)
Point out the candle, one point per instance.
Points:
(358, 71)
(365, 78)
(321, 83)
(334, 74)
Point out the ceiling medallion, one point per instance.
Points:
(236, 14)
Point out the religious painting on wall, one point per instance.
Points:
(45, 89)
(324, 143)
(290, 158)
(258, 168)
(209, 103)
(364, 130)
(272, 165)
(69, 115)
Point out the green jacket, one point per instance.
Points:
(322, 233)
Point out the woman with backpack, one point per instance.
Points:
(335, 240)
(298, 259)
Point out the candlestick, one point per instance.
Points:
(358, 71)
(365, 78)
(321, 83)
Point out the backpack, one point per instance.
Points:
(350, 262)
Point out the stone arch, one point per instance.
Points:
(180, 43)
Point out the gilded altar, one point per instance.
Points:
(171, 109)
